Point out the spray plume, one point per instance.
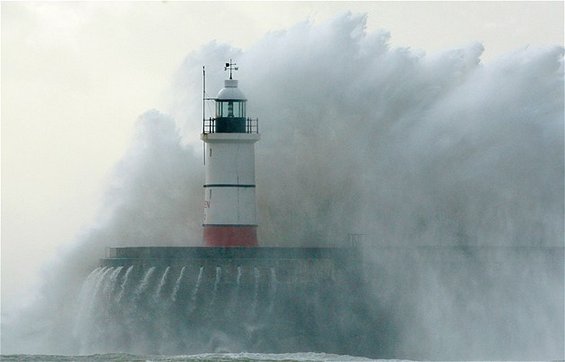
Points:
(406, 148)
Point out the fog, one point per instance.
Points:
(406, 148)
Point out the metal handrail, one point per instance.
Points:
(251, 125)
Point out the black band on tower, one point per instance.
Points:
(227, 185)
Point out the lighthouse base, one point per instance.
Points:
(230, 235)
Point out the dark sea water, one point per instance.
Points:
(221, 357)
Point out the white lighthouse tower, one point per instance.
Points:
(230, 217)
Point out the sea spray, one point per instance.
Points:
(238, 279)
(359, 136)
(161, 284)
(86, 298)
(194, 294)
(111, 283)
(256, 276)
(217, 279)
(177, 284)
(124, 284)
(145, 283)
(419, 151)
(236, 292)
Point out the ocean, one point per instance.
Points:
(215, 357)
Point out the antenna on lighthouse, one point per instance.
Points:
(203, 92)
(204, 108)
(231, 66)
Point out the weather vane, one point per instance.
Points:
(231, 66)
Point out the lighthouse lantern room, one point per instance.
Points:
(230, 216)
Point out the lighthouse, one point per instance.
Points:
(230, 216)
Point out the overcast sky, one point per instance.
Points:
(75, 76)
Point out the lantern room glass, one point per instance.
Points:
(230, 109)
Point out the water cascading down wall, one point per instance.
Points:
(172, 300)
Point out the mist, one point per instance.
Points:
(406, 148)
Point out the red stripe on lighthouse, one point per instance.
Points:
(230, 235)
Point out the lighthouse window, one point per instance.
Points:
(230, 109)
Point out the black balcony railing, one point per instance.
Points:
(230, 125)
